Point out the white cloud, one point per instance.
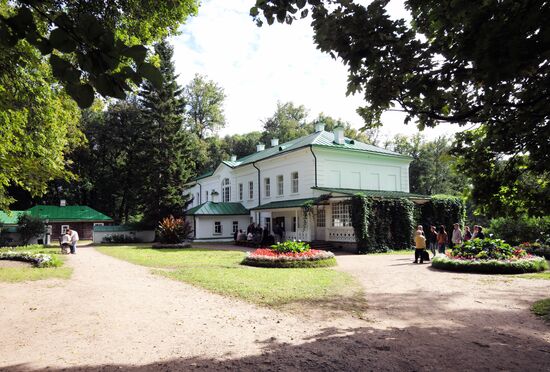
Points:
(259, 66)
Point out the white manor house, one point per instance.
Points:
(270, 187)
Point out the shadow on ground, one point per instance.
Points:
(433, 347)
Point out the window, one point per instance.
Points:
(280, 185)
(217, 227)
(64, 228)
(241, 191)
(226, 190)
(341, 215)
(294, 177)
(235, 226)
(267, 187)
(321, 222)
(251, 190)
(206, 195)
(294, 224)
(268, 224)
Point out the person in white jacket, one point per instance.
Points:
(456, 238)
(74, 239)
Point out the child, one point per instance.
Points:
(65, 243)
(420, 243)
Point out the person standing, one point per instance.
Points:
(420, 244)
(442, 239)
(456, 238)
(432, 239)
(74, 239)
(476, 230)
(467, 234)
(480, 234)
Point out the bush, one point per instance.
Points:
(537, 249)
(518, 230)
(272, 258)
(487, 249)
(173, 230)
(291, 247)
(443, 210)
(526, 265)
(29, 227)
(37, 259)
(120, 238)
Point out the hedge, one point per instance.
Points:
(517, 230)
(443, 210)
(528, 265)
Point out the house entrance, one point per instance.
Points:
(279, 227)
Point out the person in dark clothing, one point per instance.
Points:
(480, 234)
(432, 240)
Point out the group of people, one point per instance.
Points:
(69, 240)
(438, 239)
(255, 234)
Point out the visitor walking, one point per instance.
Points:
(456, 238)
(74, 239)
(420, 244)
(442, 239)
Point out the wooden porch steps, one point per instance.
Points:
(321, 244)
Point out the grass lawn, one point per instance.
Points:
(22, 274)
(542, 275)
(542, 309)
(220, 272)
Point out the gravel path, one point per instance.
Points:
(113, 315)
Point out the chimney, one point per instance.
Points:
(319, 127)
(233, 157)
(62, 203)
(274, 142)
(339, 135)
(260, 147)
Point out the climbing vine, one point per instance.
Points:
(307, 207)
(441, 210)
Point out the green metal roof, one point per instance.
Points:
(284, 204)
(212, 208)
(67, 213)
(10, 218)
(373, 193)
(320, 139)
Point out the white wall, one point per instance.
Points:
(205, 227)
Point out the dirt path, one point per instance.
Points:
(113, 315)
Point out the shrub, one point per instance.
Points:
(272, 258)
(37, 259)
(173, 230)
(443, 210)
(120, 238)
(537, 249)
(487, 249)
(525, 265)
(518, 230)
(291, 247)
(29, 227)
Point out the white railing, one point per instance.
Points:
(340, 234)
(302, 235)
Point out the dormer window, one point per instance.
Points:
(226, 190)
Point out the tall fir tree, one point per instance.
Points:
(167, 159)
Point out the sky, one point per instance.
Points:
(260, 66)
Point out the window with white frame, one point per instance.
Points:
(217, 227)
(235, 226)
(294, 178)
(267, 187)
(321, 221)
(341, 215)
(251, 190)
(280, 185)
(64, 228)
(241, 192)
(226, 190)
(98, 224)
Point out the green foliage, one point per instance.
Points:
(459, 62)
(120, 238)
(516, 230)
(541, 249)
(204, 106)
(487, 249)
(443, 210)
(290, 246)
(29, 227)
(40, 260)
(542, 309)
(325, 262)
(381, 225)
(174, 230)
(91, 44)
(491, 266)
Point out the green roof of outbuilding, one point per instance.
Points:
(10, 218)
(373, 193)
(284, 204)
(67, 213)
(212, 208)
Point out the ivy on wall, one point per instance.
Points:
(382, 224)
(441, 210)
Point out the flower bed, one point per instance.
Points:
(37, 259)
(489, 256)
(265, 257)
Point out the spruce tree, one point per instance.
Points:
(167, 159)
